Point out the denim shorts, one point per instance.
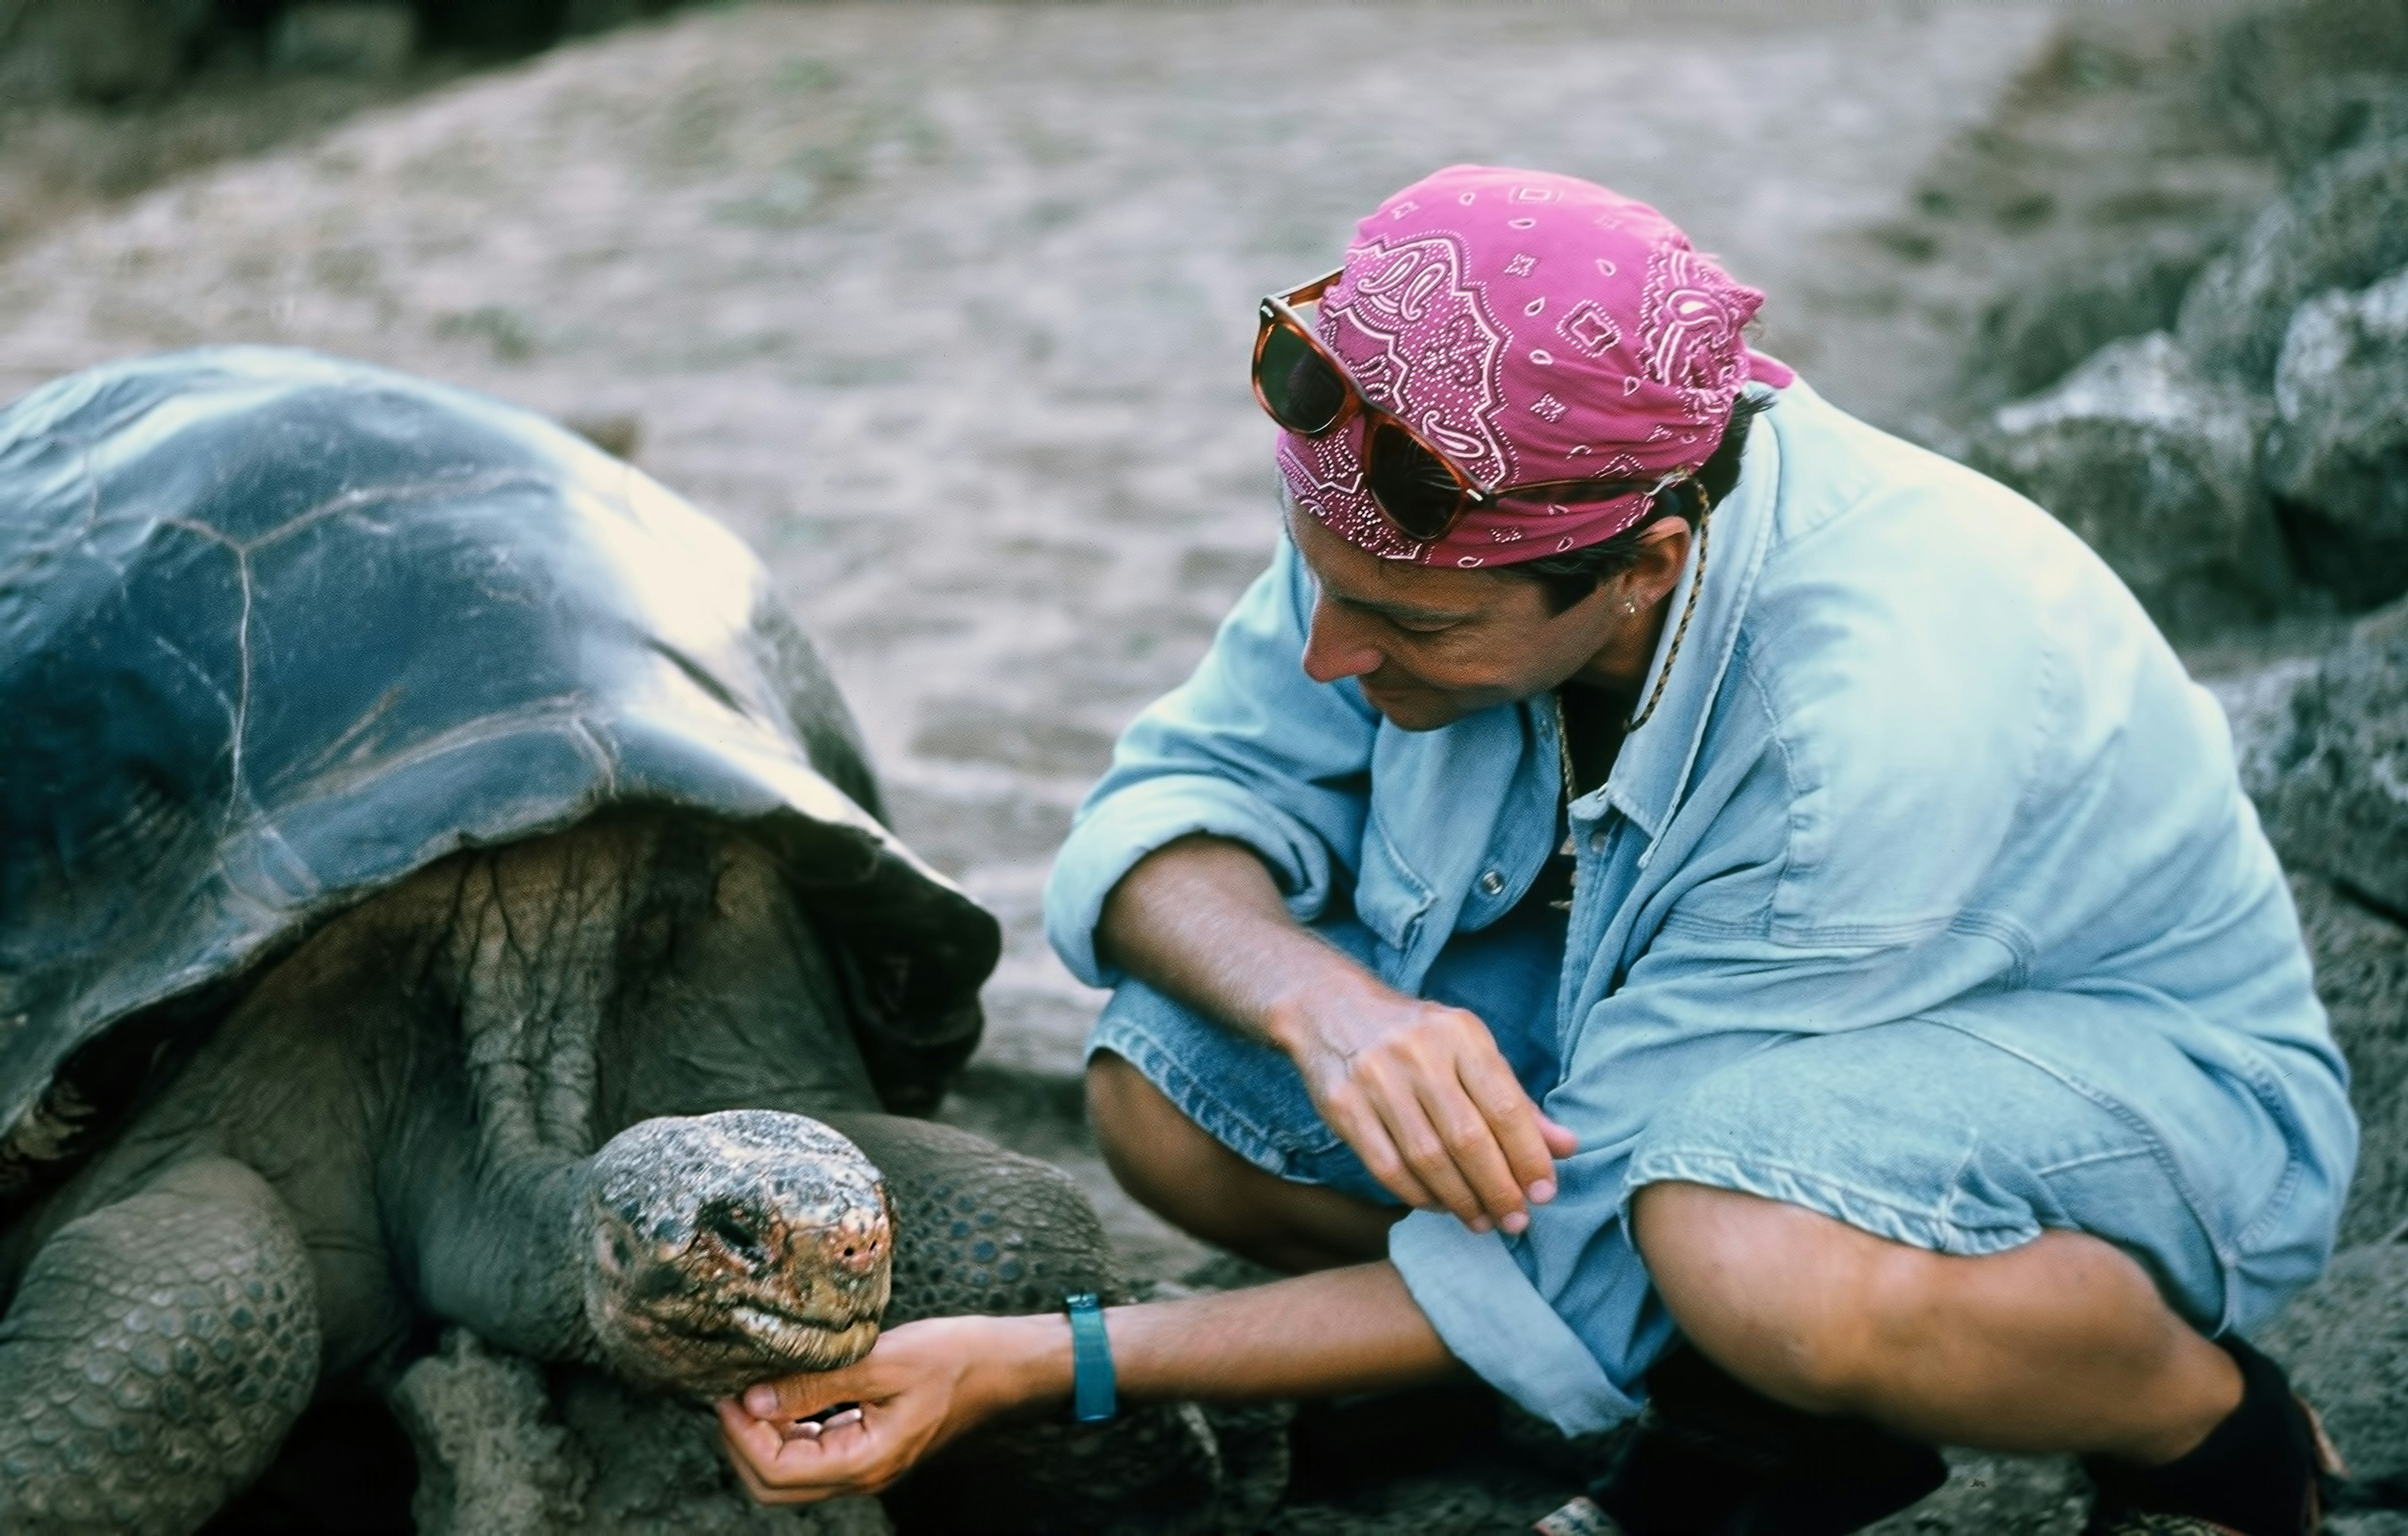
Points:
(1249, 1096)
(1914, 1131)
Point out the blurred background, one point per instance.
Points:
(947, 308)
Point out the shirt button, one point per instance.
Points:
(1596, 840)
(1492, 883)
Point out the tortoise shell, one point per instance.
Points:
(279, 629)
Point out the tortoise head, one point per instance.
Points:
(726, 1248)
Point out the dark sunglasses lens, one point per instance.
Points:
(1303, 392)
(1416, 491)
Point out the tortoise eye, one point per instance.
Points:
(734, 1234)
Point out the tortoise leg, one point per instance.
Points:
(154, 1356)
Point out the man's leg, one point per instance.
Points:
(2062, 1344)
(1217, 1135)
(1172, 1168)
(1909, 1224)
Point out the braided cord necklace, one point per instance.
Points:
(1631, 723)
(1655, 694)
(1664, 675)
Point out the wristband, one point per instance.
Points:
(1094, 1395)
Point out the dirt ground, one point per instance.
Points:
(946, 309)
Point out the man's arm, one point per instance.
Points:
(1342, 1330)
(1419, 1090)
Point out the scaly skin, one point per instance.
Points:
(978, 1228)
(408, 1117)
(154, 1357)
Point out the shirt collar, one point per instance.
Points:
(1652, 770)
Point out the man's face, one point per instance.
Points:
(1428, 645)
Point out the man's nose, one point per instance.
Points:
(1335, 646)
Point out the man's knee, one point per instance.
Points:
(1800, 1305)
(1155, 1152)
(1128, 1112)
(1177, 1170)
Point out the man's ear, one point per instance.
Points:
(1663, 550)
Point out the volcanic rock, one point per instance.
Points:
(2309, 79)
(2361, 962)
(2043, 329)
(2339, 446)
(347, 38)
(2340, 227)
(99, 49)
(2324, 752)
(2344, 1342)
(502, 1452)
(2154, 467)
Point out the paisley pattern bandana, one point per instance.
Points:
(1535, 327)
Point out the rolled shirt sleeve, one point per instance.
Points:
(1563, 1319)
(1471, 1288)
(1248, 749)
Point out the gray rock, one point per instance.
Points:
(98, 49)
(2335, 113)
(2339, 444)
(2383, 625)
(2309, 736)
(505, 1451)
(2156, 467)
(2324, 752)
(1156, 1470)
(2361, 962)
(2043, 330)
(489, 1457)
(1994, 1495)
(658, 1470)
(2345, 1342)
(580, 17)
(2258, 705)
(352, 38)
(2340, 227)
(2311, 80)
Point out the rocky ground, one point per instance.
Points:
(946, 310)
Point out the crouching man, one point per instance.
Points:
(1664, 889)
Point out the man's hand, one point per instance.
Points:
(1419, 1090)
(1422, 1094)
(857, 1429)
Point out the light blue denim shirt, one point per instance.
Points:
(1920, 755)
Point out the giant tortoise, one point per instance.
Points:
(439, 882)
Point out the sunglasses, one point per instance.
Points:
(1417, 488)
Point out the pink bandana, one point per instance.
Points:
(1535, 327)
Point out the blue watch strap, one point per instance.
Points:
(1094, 1396)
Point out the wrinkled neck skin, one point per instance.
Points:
(644, 975)
(512, 1273)
(484, 1177)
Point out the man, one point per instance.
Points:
(1648, 894)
